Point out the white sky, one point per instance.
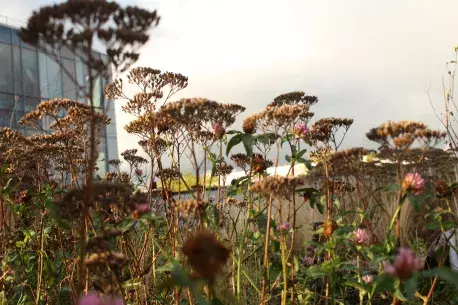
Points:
(370, 60)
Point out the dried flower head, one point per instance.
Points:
(190, 207)
(249, 124)
(277, 186)
(206, 255)
(325, 130)
(402, 135)
(294, 98)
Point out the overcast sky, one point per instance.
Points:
(369, 60)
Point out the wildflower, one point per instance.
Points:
(413, 183)
(89, 299)
(138, 172)
(141, 209)
(283, 226)
(301, 130)
(308, 261)
(443, 190)
(218, 130)
(361, 237)
(368, 279)
(405, 264)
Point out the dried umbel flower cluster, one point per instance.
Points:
(196, 113)
(153, 83)
(277, 186)
(250, 124)
(112, 200)
(283, 118)
(223, 169)
(294, 98)
(402, 135)
(72, 123)
(325, 130)
(100, 253)
(77, 24)
(131, 157)
(257, 163)
(338, 188)
(206, 255)
(152, 144)
(169, 174)
(190, 207)
(231, 201)
(321, 155)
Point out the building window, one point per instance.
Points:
(30, 71)
(11, 110)
(15, 38)
(69, 79)
(30, 104)
(17, 70)
(98, 98)
(6, 69)
(50, 77)
(5, 34)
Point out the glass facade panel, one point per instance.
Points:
(17, 70)
(28, 77)
(98, 98)
(67, 53)
(31, 103)
(5, 34)
(6, 69)
(54, 76)
(15, 38)
(69, 78)
(30, 73)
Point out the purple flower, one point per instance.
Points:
(405, 264)
(308, 261)
(413, 183)
(89, 299)
(368, 279)
(218, 130)
(301, 130)
(143, 208)
(138, 172)
(361, 237)
(283, 226)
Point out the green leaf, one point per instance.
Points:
(355, 284)
(410, 286)
(248, 141)
(234, 141)
(447, 274)
(288, 158)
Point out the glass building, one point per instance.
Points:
(28, 77)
